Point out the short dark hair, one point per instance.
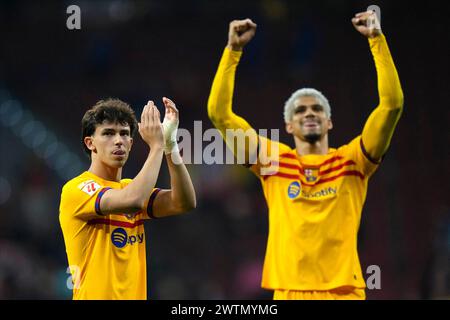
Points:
(110, 110)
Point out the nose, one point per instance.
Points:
(310, 113)
(118, 140)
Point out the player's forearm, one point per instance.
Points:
(389, 88)
(221, 95)
(182, 188)
(220, 105)
(135, 195)
(145, 181)
(380, 126)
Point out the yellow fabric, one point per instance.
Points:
(315, 204)
(380, 126)
(220, 107)
(336, 294)
(314, 201)
(101, 269)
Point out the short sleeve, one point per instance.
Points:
(148, 210)
(147, 213)
(81, 199)
(356, 151)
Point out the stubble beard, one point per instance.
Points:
(312, 138)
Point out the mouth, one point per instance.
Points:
(310, 124)
(119, 152)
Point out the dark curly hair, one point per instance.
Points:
(110, 110)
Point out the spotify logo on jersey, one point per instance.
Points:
(119, 237)
(294, 189)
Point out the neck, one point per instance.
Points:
(105, 172)
(304, 148)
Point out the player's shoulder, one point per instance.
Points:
(84, 181)
(285, 149)
(81, 177)
(267, 144)
(348, 147)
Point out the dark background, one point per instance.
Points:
(141, 50)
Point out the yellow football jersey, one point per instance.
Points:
(315, 204)
(106, 253)
(315, 201)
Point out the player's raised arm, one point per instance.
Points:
(380, 126)
(220, 99)
(135, 195)
(180, 197)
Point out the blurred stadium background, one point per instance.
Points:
(141, 50)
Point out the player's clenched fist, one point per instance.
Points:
(150, 127)
(240, 33)
(367, 24)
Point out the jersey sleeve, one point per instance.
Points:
(147, 212)
(356, 151)
(380, 125)
(81, 199)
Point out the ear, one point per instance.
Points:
(131, 143)
(330, 124)
(289, 128)
(88, 141)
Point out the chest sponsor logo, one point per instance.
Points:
(319, 194)
(294, 189)
(120, 238)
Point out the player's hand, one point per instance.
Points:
(170, 126)
(240, 33)
(367, 24)
(150, 127)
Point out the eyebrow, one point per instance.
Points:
(114, 130)
(312, 106)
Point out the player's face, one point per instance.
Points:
(309, 122)
(111, 144)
